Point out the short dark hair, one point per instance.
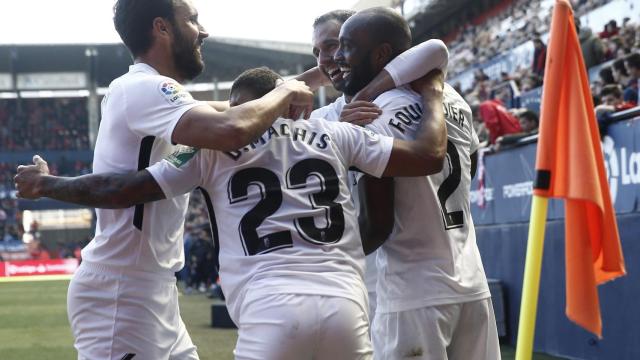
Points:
(606, 74)
(258, 81)
(633, 60)
(612, 89)
(388, 26)
(530, 115)
(618, 65)
(133, 20)
(338, 15)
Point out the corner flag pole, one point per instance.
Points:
(531, 284)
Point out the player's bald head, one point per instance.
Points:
(382, 25)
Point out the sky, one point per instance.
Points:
(90, 21)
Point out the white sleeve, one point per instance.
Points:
(418, 61)
(155, 104)
(180, 172)
(362, 148)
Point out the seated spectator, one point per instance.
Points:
(610, 29)
(606, 76)
(620, 72)
(528, 123)
(632, 63)
(592, 49)
(539, 57)
(498, 120)
(612, 100)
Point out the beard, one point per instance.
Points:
(338, 85)
(360, 76)
(188, 62)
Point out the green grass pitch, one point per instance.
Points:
(34, 326)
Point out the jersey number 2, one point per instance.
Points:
(452, 219)
(271, 200)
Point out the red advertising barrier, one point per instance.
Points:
(38, 267)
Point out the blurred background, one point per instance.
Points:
(58, 58)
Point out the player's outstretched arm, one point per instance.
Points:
(107, 191)
(314, 78)
(204, 127)
(407, 67)
(424, 155)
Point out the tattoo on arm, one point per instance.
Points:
(107, 191)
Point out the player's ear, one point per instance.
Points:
(161, 27)
(382, 54)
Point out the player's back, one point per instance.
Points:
(431, 256)
(138, 115)
(284, 213)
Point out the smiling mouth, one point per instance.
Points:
(346, 71)
(335, 75)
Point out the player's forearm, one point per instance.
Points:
(107, 191)
(254, 118)
(407, 67)
(376, 217)
(204, 128)
(431, 142)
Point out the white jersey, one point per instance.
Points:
(283, 210)
(330, 112)
(139, 113)
(431, 257)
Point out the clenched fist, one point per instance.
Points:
(29, 178)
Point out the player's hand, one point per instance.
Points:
(301, 103)
(360, 113)
(29, 177)
(433, 81)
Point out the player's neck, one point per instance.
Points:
(162, 63)
(347, 98)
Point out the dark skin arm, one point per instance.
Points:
(474, 164)
(424, 155)
(376, 217)
(106, 191)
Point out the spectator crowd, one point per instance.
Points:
(44, 124)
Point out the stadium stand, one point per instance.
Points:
(492, 57)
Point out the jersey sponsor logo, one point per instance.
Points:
(174, 93)
(181, 155)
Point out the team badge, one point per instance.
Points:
(174, 93)
(182, 155)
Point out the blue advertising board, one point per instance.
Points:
(509, 176)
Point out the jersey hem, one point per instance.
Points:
(396, 306)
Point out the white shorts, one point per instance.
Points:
(453, 332)
(120, 314)
(296, 326)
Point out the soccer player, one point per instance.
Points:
(420, 59)
(291, 260)
(433, 300)
(123, 301)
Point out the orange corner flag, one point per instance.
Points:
(570, 165)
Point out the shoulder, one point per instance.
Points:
(331, 111)
(399, 96)
(143, 85)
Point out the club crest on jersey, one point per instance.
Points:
(182, 155)
(174, 93)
